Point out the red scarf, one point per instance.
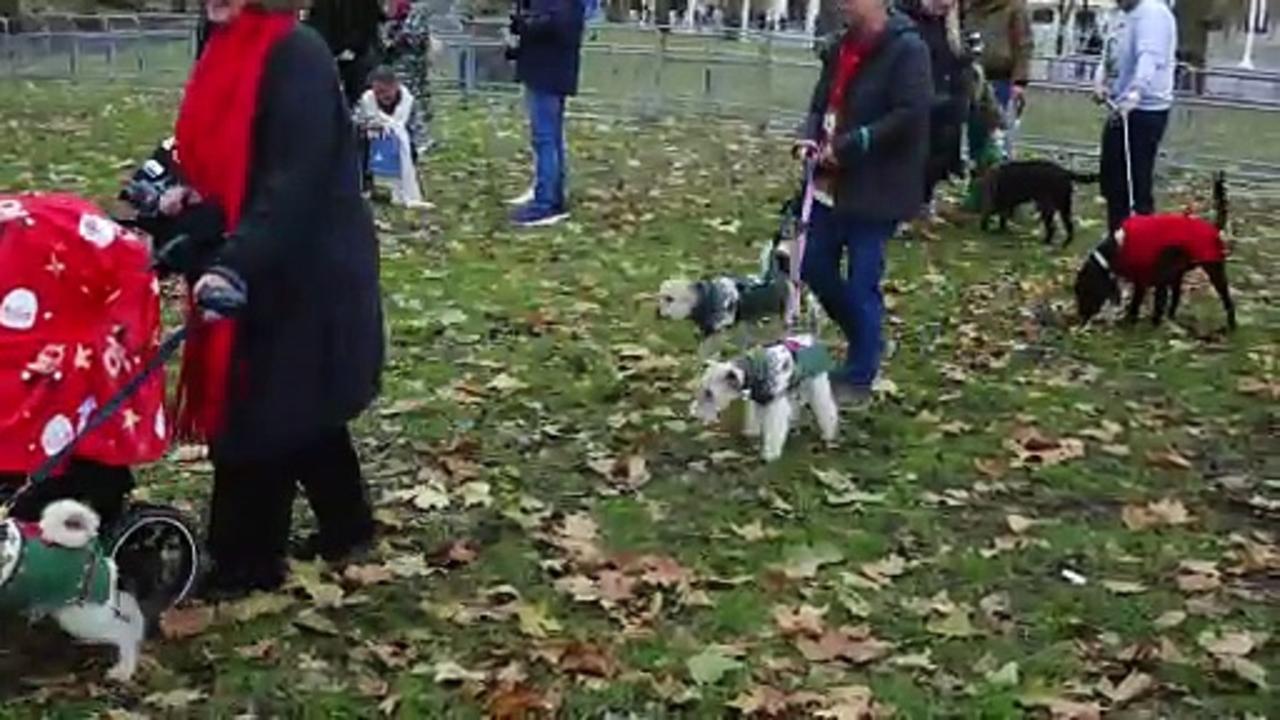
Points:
(215, 144)
(852, 52)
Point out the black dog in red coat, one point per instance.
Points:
(1157, 251)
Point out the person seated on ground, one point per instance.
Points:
(389, 116)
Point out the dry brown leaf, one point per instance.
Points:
(1019, 524)
(516, 702)
(1165, 512)
(1133, 686)
(453, 554)
(992, 468)
(800, 619)
(1168, 459)
(761, 700)
(260, 650)
(852, 702)
(615, 587)
(1198, 576)
(188, 622)
(855, 645)
(883, 571)
(1032, 448)
(1230, 643)
(1247, 669)
(587, 659)
(1064, 709)
(366, 575)
(1170, 619)
(1124, 587)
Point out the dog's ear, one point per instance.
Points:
(735, 378)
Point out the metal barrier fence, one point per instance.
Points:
(644, 72)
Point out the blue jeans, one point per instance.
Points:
(855, 302)
(546, 132)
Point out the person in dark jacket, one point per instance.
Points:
(265, 135)
(947, 63)
(547, 60)
(352, 30)
(868, 127)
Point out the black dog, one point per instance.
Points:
(1157, 251)
(1045, 183)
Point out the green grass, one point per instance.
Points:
(562, 311)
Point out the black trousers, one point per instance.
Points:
(251, 510)
(105, 488)
(1146, 130)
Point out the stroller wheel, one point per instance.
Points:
(157, 556)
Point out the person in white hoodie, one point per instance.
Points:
(1136, 81)
(388, 108)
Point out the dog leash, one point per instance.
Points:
(1128, 154)
(802, 236)
(223, 301)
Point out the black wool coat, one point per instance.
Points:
(310, 339)
(891, 96)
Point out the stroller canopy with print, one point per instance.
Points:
(79, 314)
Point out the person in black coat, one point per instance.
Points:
(947, 65)
(351, 29)
(547, 64)
(308, 345)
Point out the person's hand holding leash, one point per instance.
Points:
(804, 149)
(218, 296)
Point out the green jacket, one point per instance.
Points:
(38, 576)
(1006, 33)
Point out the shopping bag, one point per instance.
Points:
(384, 156)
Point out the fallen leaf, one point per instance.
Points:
(175, 699)
(1196, 576)
(475, 494)
(1063, 709)
(1247, 669)
(1232, 643)
(448, 672)
(257, 651)
(955, 625)
(1124, 587)
(453, 554)
(630, 473)
(588, 659)
(255, 606)
(800, 619)
(430, 498)
(1170, 619)
(536, 620)
(754, 532)
(516, 703)
(915, 661)
(1019, 524)
(855, 645)
(1134, 685)
(187, 622)
(1169, 459)
(851, 702)
(366, 575)
(315, 622)
(506, 384)
(1007, 676)
(762, 700)
(1032, 448)
(803, 561)
(1167, 512)
(711, 665)
(883, 571)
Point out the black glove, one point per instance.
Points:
(196, 237)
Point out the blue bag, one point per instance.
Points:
(384, 156)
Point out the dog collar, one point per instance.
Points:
(1102, 261)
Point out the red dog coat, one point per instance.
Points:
(1147, 236)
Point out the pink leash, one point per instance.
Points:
(802, 235)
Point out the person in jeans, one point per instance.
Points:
(868, 129)
(547, 62)
(1005, 26)
(1138, 85)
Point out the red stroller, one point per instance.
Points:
(80, 355)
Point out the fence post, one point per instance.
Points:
(73, 59)
(659, 69)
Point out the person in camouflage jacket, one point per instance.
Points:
(408, 42)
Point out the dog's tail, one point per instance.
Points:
(69, 523)
(1220, 205)
(1085, 178)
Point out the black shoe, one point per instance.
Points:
(313, 546)
(227, 582)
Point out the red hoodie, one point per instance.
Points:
(1147, 236)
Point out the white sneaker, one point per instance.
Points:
(524, 198)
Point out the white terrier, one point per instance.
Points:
(775, 380)
(57, 567)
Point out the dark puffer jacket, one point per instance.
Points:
(882, 140)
